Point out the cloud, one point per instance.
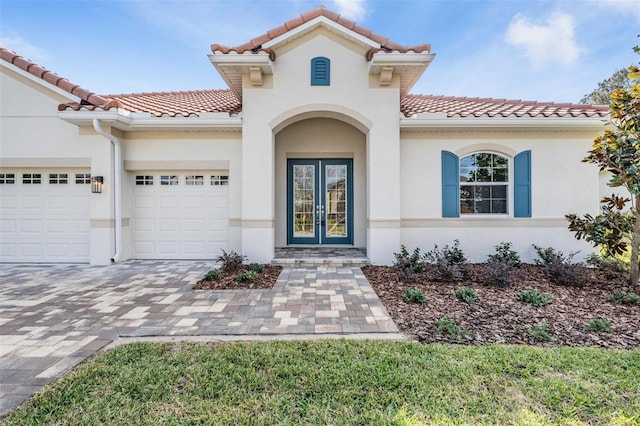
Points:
(623, 6)
(351, 9)
(547, 44)
(24, 48)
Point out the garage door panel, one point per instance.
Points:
(31, 226)
(179, 221)
(8, 226)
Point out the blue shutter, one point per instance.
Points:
(450, 185)
(522, 184)
(320, 71)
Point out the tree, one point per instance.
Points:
(618, 152)
(602, 95)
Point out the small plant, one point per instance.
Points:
(212, 275)
(611, 266)
(410, 266)
(450, 262)
(446, 325)
(539, 333)
(505, 254)
(598, 325)
(467, 294)
(414, 295)
(624, 298)
(533, 297)
(559, 268)
(256, 267)
(246, 277)
(497, 273)
(230, 261)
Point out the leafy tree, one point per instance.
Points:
(618, 152)
(602, 95)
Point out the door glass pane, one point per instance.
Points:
(336, 200)
(303, 201)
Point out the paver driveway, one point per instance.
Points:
(54, 316)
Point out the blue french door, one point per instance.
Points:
(320, 201)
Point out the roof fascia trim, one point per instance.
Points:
(439, 124)
(39, 81)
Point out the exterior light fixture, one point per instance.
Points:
(96, 184)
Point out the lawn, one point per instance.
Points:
(343, 382)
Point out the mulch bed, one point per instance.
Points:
(498, 317)
(227, 281)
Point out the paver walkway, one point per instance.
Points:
(52, 317)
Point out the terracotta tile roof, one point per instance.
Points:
(255, 45)
(489, 107)
(172, 104)
(52, 78)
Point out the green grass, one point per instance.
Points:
(343, 382)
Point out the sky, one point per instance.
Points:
(543, 50)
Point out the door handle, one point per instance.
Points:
(320, 214)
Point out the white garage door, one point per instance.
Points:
(44, 215)
(179, 215)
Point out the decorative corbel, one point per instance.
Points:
(386, 74)
(255, 73)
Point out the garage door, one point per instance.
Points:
(44, 215)
(179, 215)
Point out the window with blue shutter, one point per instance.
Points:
(522, 184)
(450, 185)
(320, 71)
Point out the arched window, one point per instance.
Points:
(484, 184)
(320, 71)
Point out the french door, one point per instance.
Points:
(320, 201)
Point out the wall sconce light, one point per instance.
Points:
(96, 184)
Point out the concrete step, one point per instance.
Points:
(312, 262)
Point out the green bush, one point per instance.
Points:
(504, 253)
(256, 267)
(212, 275)
(246, 276)
(533, 297)
(624, 298)
(414, 295)
(448, 326)
(230, 261)
(467, 294)
(539, 333)
(598, 325)
(410, 266)
(559, 268)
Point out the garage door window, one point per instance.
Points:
(195, 180)
(217, 180)
(169, 180)
(144, 180)
(7, 178)
(83, 178)
(58, 178)
(31, 178)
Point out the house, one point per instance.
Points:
(316, 141)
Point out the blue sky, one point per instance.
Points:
(545, 50)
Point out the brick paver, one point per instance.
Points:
(52, 317)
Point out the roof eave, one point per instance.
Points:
(40, 81)
(231, 66)
(438, 123)
(409, 65)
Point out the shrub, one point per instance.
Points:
(246, 277)
(497, 272)
(467, 294)
(598, 325)
(448, 326)
(533, 297)
(231, 261)
(624, 298)
(212, 275)
(539, 333)
(256, 267)
(505, 254)
(414, 295)
(559, 268)
(611, 266)
(410, 266)
(450, 263)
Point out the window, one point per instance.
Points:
(83, 178)
(31, 178)
(194, 180)
(144, 180)
(7, 178)
(320, 71)
(219, 180)
(169, 180)
(484, 181)
(58, 178)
